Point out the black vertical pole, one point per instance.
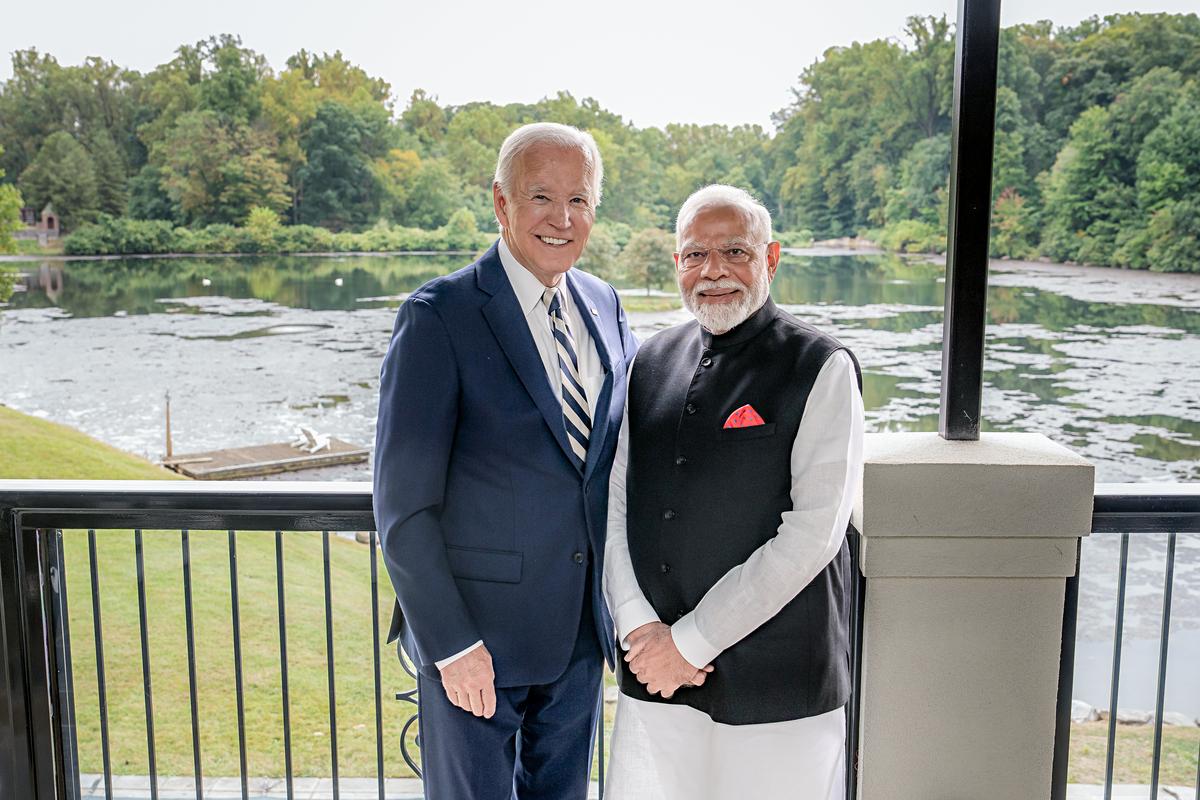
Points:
(17, 766)
(976, 46)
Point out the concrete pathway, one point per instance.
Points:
(137, 787)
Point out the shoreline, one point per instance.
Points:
(16, 259)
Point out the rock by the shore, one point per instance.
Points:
(1083, 712)
(1129, 716)
(1176, 718)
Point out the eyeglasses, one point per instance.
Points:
(738, 254)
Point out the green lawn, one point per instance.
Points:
(1134, 748)
(34, 448)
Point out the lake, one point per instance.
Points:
(1104, 361)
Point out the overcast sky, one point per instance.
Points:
(651, 62)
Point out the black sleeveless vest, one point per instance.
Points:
(701, 498)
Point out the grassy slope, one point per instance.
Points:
(34, 448)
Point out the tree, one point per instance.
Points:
(10, 221)
(600, 255)
(110, 174)
(648, 259)
(216, 173)
(63, 175)
(336, 185)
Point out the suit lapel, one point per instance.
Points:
(504, 317)
(591, 321)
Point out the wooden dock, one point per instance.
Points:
(263, 459)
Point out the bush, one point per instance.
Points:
(264, 234)
(912, 236)
(801, 237)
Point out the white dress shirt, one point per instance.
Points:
(528, 290)
(674, 751)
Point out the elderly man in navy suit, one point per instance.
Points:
(501, 398)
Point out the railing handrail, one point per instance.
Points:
(328, 505)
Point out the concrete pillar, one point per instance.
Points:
(966, 549)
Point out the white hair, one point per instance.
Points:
(529, 136)
(718, 195)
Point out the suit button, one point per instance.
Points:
(669, 514)
(578, 558)
(679, 615)
(680, 460)
(665, 568)
(690, 408)
(706, 362)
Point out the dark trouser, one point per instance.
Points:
(537, 746)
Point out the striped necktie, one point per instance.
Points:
(574, 399)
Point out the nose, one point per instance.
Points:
(713, 266)
(560, 217)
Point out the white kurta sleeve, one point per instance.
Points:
(629, 607)
(826, 468)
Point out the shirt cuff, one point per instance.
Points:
(632, 615)
(445, 662)
(694, 648)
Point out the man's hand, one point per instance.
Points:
(470, 683)
(656, 662)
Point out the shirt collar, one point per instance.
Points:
(527, 288)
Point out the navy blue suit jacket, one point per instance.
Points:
(488, 528)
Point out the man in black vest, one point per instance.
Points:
(726, 565)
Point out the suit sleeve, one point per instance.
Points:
(418, 413)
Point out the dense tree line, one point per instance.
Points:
(1097, 154)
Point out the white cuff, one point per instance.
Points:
(691, 644)
(445, 662)
(632, 615)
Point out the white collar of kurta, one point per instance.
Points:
(528, 288)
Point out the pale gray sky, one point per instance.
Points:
(701, 61)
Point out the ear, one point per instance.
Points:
(500, 204)
(772, 259)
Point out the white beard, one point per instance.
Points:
(718, 318)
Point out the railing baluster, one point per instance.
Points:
(101, 685)
(237, 664)
(283, 665)
(1116, 667)
(191, 656)
(375, 660)
(147, 693)
(65, 668)
(1164, 639)
(333, 748)
(600, 743)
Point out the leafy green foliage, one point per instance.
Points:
(1094, 146)
(648, 259)
(63, 175)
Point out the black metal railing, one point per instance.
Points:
(1128, 510)
(38, 747)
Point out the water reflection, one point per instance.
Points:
(1116, 380)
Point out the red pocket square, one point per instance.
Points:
(744, 417)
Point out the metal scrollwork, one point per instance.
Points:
(409, 697)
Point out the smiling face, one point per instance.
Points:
(549, 215)
(720, 294)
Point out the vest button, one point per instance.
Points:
(706, 362)
(669, 514)
(679, 615)
(665, 568)
(578, 558)
(690, 408)
(680, 461)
